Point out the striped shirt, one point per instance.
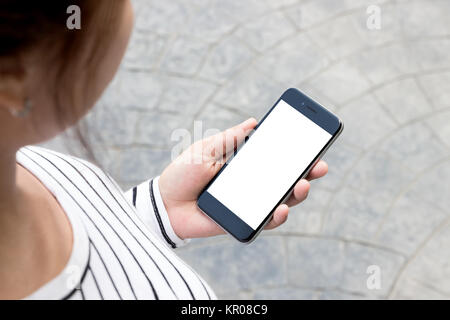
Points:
(123, 243)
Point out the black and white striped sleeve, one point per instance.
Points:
(146, 198)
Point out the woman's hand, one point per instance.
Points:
(182, 181)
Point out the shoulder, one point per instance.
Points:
(52, 157)
(59, 165)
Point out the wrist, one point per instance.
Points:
(166, 213)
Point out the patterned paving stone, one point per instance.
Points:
(114, 126)
(339, 295)
(184, 96)
(358, 258)
(340, 34)
(133, 165)
(410, 288)
(305, 262)
(299, 64)
(240, 295)
(417, 156)
(428, 268)
(391, 30)
(385, 201)
(342, 81)
(251, 92)
(381, 64)
(218, 117)
(308, 218)
(404, 107)
(286, 294)
(437, 86)
(439, 124)
(163, 17)
(432, 186)
(341, 159)
(433, 55)
(185, 56)
(277, 4)
(226, 59)
(378, 176)
(411, 17)
(133, 90)
(229, 265)
(160, 132)
(365, 215)
(145, 50)
(264, 32)
(374, 122)
(407, 223)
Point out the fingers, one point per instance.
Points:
(299, 194)
(279, 217)
(302, 187)
(318, 171)
(225, 142)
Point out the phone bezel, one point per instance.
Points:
(228, 220)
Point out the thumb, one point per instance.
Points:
(227, 141)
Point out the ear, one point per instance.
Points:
(12, 88)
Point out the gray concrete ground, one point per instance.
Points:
(386, 200)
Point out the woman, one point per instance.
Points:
(67, 231)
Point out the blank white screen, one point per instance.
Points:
(268, 164)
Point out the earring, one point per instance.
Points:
(22, 113)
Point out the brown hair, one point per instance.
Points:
(31, 25)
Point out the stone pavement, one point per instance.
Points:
(386, 200)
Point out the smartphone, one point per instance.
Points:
(283, 148)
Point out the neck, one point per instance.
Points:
(35, 235)
(11, 217)
(8, 185)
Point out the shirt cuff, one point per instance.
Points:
(167, 226)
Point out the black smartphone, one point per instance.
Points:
(261, 175)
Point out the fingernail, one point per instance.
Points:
(248, 123)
